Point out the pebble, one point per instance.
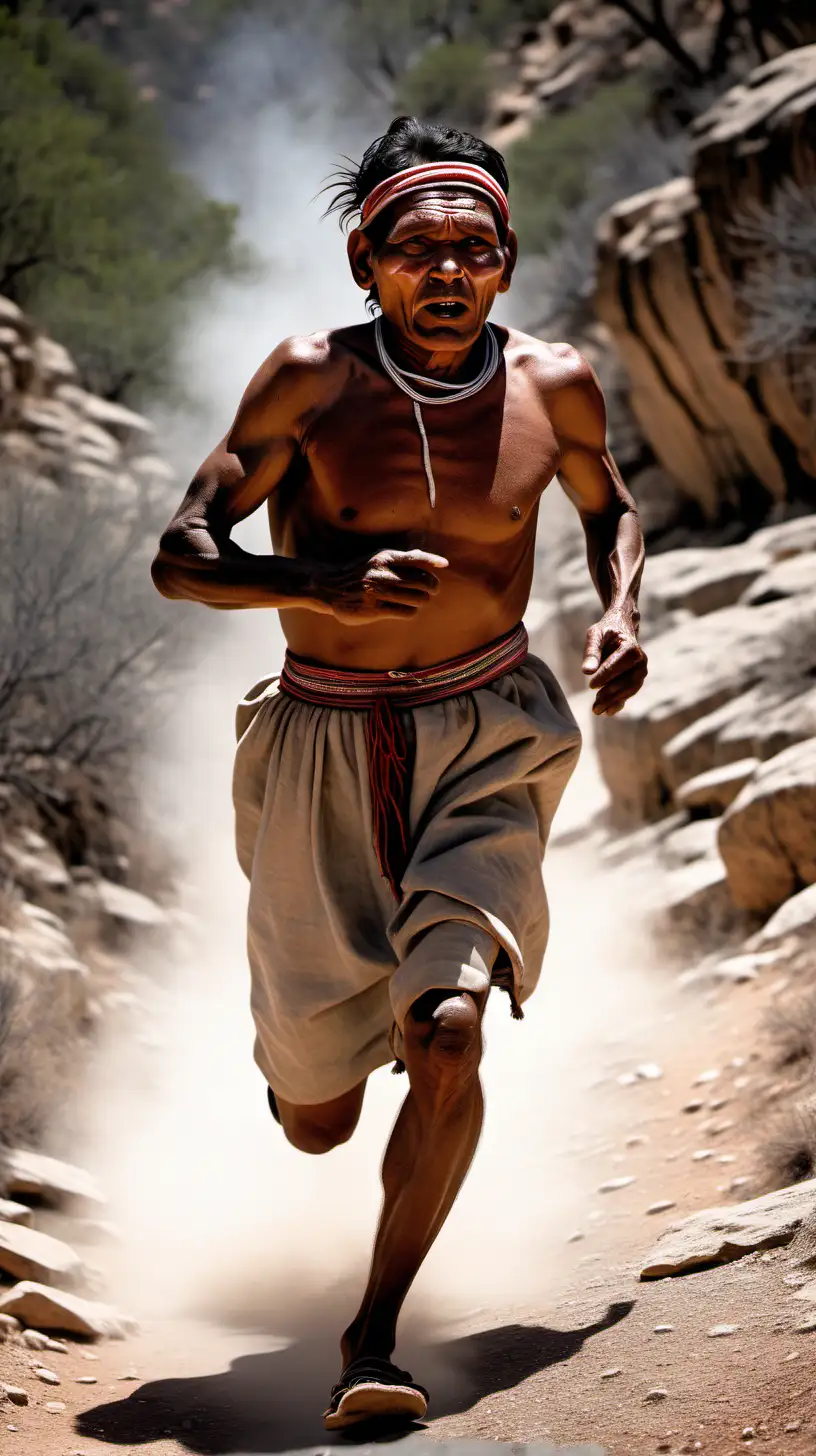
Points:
(793, 1426)
(727, 1158)
(702, 1154)
(691, 1446)
(649, 1072)
(627, 1079)
(717, 1103)
(46, 1376)
(737, 1183)
(576, 1237)
(716, 1129)
(86, 1380)
(636, 1140)
(794, 1355)
(705, 1077)
(740, 1083)
(662, 1205)
(655, 1395)
(34, 1340)
(59, 1347)
(12, 1428)
(8, 1326)
(129, 1375)
(613, 1184)
(88, 1355)
(696, 1104)
(748, 1433)
(663, 1329)
(609, 1374)
(807, 1326)
(55, 1406)
(717, 1331)
(16, 1394)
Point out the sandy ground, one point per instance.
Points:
(572, 1360)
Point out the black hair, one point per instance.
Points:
(407, 143)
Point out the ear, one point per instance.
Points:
(359, 256)
(510, 260)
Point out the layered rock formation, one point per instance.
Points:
(736, 436)
(54, 435)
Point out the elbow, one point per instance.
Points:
(165, 567)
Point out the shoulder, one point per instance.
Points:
(567, 385)
(287, 387)
(555, 366)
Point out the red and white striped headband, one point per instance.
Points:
(462, 174)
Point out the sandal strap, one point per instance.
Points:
(372, 1368)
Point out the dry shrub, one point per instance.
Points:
(791, 1028)
(38, 1047)
(787, 1149)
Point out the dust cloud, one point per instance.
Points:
(218, 1214)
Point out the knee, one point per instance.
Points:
(315, 1137)
(444, 1032)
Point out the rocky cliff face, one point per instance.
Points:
(737, 436)
(54, 435)
(68, 917)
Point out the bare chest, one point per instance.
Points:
(491, 457)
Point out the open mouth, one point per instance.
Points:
(445, 308)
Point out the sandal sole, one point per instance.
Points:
(370, 1401)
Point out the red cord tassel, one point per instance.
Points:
(390, 781)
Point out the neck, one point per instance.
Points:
(434, 362)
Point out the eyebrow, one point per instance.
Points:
(407, 225)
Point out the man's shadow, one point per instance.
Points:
(267, 1403)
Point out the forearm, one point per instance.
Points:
(233, 582)
(615, 555)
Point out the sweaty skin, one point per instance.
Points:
(366, 575)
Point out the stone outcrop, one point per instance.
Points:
(695, 669)
(40, 1307)
(736, 436)
(767, 837)
(57, 1184)
(25, 1253)
(719, 1235)
(54, 435)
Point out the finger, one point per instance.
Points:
(408, 572)
(398, 591)
(615, 694)
(594, 646)
(396, 609)
(423, 558)
(628, 655)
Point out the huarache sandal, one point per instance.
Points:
(372, 1389)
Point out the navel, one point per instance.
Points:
(515, 513)
(348, 513)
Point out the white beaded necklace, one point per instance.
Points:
(453, 392)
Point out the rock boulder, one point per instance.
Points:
(767, 837)
(719, 1235)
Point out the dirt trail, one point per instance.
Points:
(534, 1365)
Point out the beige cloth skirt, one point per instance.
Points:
(335, 961)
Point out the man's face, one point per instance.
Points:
(439, 268)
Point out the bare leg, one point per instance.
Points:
(427, 1158)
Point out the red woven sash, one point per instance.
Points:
(381, 695)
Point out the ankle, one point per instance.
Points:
(364, 1337)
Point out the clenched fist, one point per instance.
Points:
(389, 584)
(614, 661)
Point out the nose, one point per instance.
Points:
(446, 265)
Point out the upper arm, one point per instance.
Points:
(586, 471)
(255, 454)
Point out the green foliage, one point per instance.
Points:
(448, 83)
(403, 45)
(550, 167)
(99, 238)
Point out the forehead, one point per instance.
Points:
(437, 206)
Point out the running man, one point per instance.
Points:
(395, 786)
